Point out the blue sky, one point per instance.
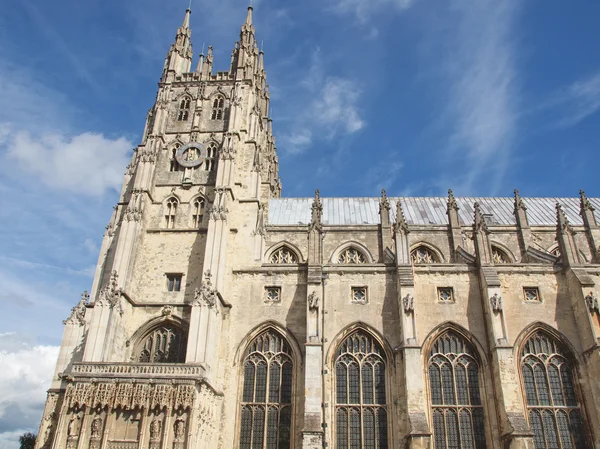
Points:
(416, 96)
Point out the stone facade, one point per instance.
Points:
(206, 277)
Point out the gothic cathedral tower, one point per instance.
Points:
(139, 363)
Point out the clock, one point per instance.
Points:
(191, 155)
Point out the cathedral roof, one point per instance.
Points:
(425, 210)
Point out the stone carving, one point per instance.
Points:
(135, 207)
(585, 203)
(313, 302)
(384, 203)
(519, 204)
(479, 225)
(451, 201)
(96, 427)
(179, 428)
(409, 303)
(206, 295)
(316, 216)
(496, 303)
(167, 311)
(562, 222)
(400, 225)
(111, 294)
(219, 211)
(73, 426)
(77, 315)
(155, 428)
(592, 303)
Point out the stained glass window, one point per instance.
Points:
(283, 255)
(165, 344)
(456, 405)
(422, 256)
(548, 380)
(266, 415)
(361, 411)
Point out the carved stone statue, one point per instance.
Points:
(313, 301)
(496, 302)
(96, 426)
(72, 427)
(179, 429)
(155, 427)
(409, 303)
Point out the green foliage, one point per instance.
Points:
(27, 440)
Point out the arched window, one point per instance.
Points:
(165, 344)
(499, 256)
(217, 108)
(211, 154)
(549, 383)
(184, 109)
(198, 212)
(173, 165)
(351, 256)
(456, 406)
(555, 251)
(170, 211)
(283, 255)
(266, 407)
(422, 255)
(360, 410)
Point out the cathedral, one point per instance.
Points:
(225, 316)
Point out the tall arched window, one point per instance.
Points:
(456, 406)
(211, 154)
(198, 211)
(165, 344)
(217, 108)
(549, 383)
(184, 109)
(266, 408)
(360, 410)
(170, 211)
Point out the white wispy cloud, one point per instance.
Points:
(580, 100)
(480, 71)
(364, 9)
(327, 108)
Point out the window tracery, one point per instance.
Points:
(422, 256)
(184, 109)
(217, 108)
(211, 157)
(499, 256)
(198, 212)
(351, 256)
(165, 344)
(283, 255)
(170, 211)
(549, 382)
(266, 406)
(456, 407)
(361, 402)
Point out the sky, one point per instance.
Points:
(414, 96)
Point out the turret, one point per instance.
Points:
(244, 59)
(179, 57)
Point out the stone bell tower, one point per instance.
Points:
(139, 361)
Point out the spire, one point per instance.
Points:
(519, 204)
(451, 201)
(179, 57)
(585, 202)
(401, 225)
(249, 15)
(244, 59)
(562, 222)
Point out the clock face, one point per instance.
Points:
(191, 155)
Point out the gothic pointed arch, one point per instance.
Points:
(455, 381)
(171, 149)
(268, 376)
(283, 252)
(549, 381)
(161, 340)
(361, 362)
(424, 253)
(501, 254)
(198, 210)
(184, 104)
(351, 252)
(170, 206)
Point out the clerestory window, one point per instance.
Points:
(422, 256)
(360, 393)
(456, 407)
(351, 256)
(552, 401)
(266, 406)
(499, 256)
(283, 255)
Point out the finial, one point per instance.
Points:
(451, 201)
(519, 204)
(400, 224)
(585, 202)
(186, 18)
(383, 202)
(479, 223)
(562, 222)
(316, 210)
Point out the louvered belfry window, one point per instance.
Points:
(456, 406)
(165, 344)
(266, 416)
(549, 383)
(361, 412)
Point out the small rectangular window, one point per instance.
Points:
(445, 294)
(272, 294)
(174, 282)
(358, 295)
(531, 294)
